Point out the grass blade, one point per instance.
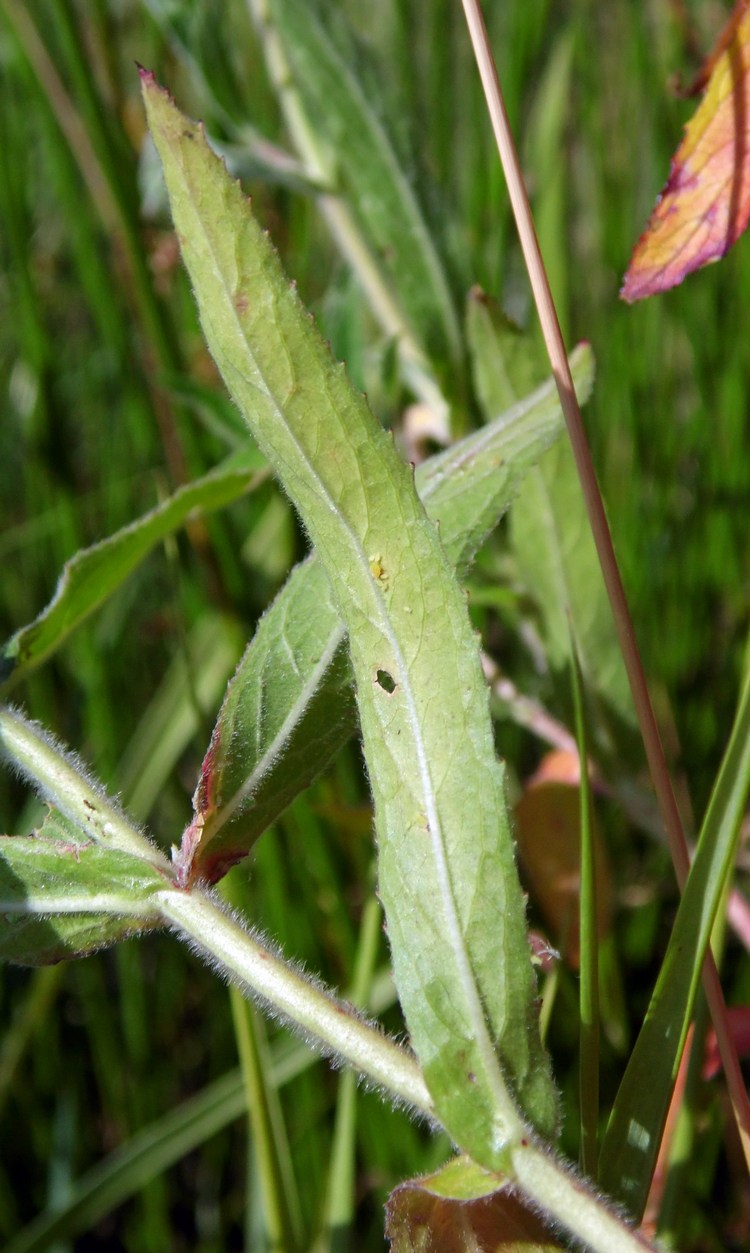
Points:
(634, 1133)
(369, 230)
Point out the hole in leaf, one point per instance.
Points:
(386, 681)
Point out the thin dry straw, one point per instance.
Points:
(602, 537)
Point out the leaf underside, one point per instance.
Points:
(448, 881)
(63, 895)
(291, 705)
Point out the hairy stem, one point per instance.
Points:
(62, 780)
(233, 950)
(324, 1021)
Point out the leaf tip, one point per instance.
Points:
(626, 292)
(477, 295)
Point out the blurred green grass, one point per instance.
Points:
(98, 340)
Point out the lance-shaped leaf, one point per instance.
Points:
(705, 205)
(93, 574)
(447, 874)
(290, 705)
(63, 895)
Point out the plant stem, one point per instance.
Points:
(62, 782)
(237, 952)
(588, 1065)
(221, 939)
(568, 1199)
(603, 539)
(323, 1020)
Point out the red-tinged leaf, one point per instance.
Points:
(705, 205)
(463, 1209)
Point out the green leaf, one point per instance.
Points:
(338, 93)
(558, 562)
(59, 777)
(505, 362)
(461, 955)
(554, 550)
(290, 705)
(93, 574)
(63, 895)
(288, 709)
(468, 488)
(636, 1124)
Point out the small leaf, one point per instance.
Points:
(705, 205)
(59, 777)
(463, 1209)
(62, 895)
(288, 709)
(93, 574)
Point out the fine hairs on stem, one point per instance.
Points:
(329, 1025)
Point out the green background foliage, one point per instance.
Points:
(111, 403)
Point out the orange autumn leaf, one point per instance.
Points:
(705, 205)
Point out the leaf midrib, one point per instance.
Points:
(437, 842)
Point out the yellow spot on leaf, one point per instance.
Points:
(377, 569)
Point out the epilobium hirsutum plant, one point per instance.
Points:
(446, 873)
(372, 629)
